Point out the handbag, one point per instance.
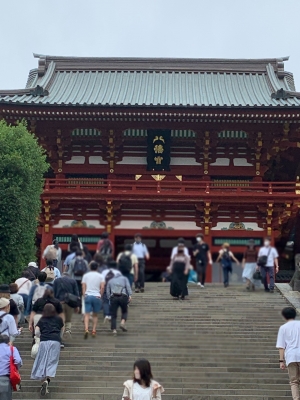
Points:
(14, 375)
(262, 260)
(257, 276)
(35, 347)
(72, 300)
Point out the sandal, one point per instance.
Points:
(93, 334)
(86, 334)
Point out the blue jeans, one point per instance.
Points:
(265, 271)
(226, 271)
(105, 304)
(130, 278)
(92, 304)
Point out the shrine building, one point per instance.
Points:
(165, 147)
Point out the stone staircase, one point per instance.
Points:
(218, 345)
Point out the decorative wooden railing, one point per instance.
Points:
(177, 189)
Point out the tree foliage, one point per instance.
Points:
(22, 167)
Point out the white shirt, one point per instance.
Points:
(175, 250)
(140, 250)
(93, 280)
(140, 393)
(264, 251)
(289, 339)
(26, 285)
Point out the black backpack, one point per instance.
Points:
(125, 264)
(80, 267)
(106, 248)
(109, 276)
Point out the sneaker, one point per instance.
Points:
(67, 334)
(198, 284)
(267, 290)
(142, 290)
(137, 291)
(62, 345)
(106, 319)
(123, 327)
(271, 290)
(115, 332)
(44, 388)
(86, 334)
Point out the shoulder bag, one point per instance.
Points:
(14, 375)
(262, 260)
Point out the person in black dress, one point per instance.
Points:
(179, 268)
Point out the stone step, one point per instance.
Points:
(219, 345)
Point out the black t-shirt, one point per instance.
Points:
(50, 328)
(203, 249)
(39, 305)
(13, 308)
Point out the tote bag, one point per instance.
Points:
(14, 376)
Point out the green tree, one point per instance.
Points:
(22, 167)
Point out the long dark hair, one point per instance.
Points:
(144, 367)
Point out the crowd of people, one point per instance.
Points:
(47, 298)
(258, 266)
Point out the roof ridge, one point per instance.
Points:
(160, 64)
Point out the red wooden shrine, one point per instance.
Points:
(234, 135)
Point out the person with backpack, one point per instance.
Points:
(110, 272)
(128, 264)
(37, 291)
(267, 259)
(119, 292)
(33, 270)
(77, 268)
(70, 257)
(18, 299)
(24, 286)
(140, 250)
(105, 247)
(51, 271)
(13, 308)
(7, 323)
(53, 252)
(66, 291)
(225, 257)
(38, 307)
(92, 290)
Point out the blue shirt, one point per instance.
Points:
(69, 259)
(140, 250)
(8, 326)
(5, 353)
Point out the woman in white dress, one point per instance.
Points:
(142, 386)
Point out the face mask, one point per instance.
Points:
(137, 374)
(199, 239)
(180, 251)
(267, 243)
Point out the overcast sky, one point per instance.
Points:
(146, 28)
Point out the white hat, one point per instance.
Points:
(33, 264)
(3, 302)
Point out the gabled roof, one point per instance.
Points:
(157, 82)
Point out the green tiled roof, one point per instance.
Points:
(120, 82)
